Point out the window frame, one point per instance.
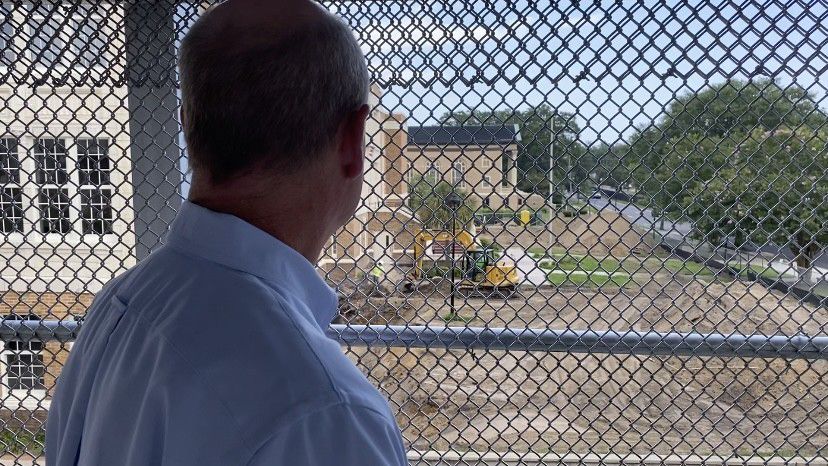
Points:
(16, 397)
(459, 181)
(45, 185)
(95, 187)
(65, 37)
(11, 190)
(8, 50)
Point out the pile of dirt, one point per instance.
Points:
(605, 233)
(537, 401)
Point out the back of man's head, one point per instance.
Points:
(265, 86)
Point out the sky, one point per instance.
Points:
(431, 57)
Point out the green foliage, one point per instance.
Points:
(744, 160)
(570, 278)
(19, 441)
(718, 114)
(769, 187)
(427, 201)
(688, 268)
(536, 134)
(452, 316)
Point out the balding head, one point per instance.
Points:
(266, 84)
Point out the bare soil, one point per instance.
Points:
(555, 402)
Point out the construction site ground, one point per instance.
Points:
(600, 403)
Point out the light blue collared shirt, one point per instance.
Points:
(212, 351)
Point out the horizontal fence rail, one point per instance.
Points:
(523, 339)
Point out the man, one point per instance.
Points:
(212, 351)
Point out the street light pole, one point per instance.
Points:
(453, 201)
(551, 162)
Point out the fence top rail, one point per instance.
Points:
(517, 339)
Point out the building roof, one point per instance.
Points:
(462, 135)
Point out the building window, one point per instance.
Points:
(94, 167)
(54, 210)
(53, 197)
(506, 161)
(457, 174)
(485, 162)
(24, 362)
(51, 161)
(433, 173)
(9, 161)
(93, 161)
(89, 40)
(486, 201)
(96, 211)
(410, 174)
(25, 369)
(11, 205)
(46, 43)
(7, 54)
(11, 200)
(487, 181)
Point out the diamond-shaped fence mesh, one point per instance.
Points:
(591, 232)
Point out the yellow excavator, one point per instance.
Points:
(480, 270)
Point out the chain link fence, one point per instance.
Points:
(591, 232)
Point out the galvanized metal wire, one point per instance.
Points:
(654, 172)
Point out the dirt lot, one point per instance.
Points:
(532, 401)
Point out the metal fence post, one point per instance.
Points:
(153, 121)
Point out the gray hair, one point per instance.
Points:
(269, 104)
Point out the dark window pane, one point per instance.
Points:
(96, 211)
(9, 161)
(11, 209)
(54, 211)
(7, 53)
(51, 161)
(93, 161)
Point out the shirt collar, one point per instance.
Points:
(234, 243)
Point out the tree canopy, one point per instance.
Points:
(746, 161)
(536, 134)
(427, 201)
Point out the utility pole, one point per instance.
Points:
(551, 174)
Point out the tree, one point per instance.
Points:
(427, 201)
(533, 151)
(765, 187)
(719, 114)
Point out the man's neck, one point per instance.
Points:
(284, 217)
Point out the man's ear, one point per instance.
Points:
(352, 143)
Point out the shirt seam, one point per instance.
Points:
(322, 407)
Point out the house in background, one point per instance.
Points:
(481, 161)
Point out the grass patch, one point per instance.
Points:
(561, 277)
(688, 268)
(19, 441)
(591, 264)
(452, 316)
(760, 270)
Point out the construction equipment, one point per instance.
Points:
(481, 272)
